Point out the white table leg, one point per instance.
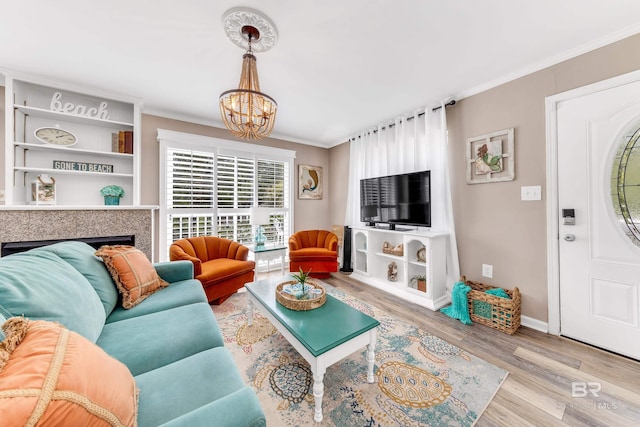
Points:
(371, 357)
(318, 392)
(249, 312)
(282, 263)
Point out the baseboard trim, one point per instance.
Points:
(536, 324)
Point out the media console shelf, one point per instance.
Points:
(424, 254)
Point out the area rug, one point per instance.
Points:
(420, 380)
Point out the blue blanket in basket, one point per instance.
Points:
(459, 309)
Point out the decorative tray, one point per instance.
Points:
(316, 297)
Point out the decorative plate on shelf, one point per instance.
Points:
(422, 254)
(55, 136)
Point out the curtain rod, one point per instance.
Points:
(450, 103)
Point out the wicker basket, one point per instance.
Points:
(293, 303)
(489, 310)
(389, 249)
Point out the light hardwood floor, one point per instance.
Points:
(542, 368)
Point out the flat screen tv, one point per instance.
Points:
(396, 199)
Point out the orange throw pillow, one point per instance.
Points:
(52, 376)
(132, 272)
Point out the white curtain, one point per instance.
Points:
(408, 145)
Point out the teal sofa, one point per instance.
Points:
(170, 342)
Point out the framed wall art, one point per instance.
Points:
(490, 157)
(309, 182)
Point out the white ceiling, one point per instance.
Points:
(339, 67)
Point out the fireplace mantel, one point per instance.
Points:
(76, 208)
(31, 222)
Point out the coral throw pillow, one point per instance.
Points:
(133, 273)
(54, 377)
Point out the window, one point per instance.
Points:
(208, 187)
(625, 184)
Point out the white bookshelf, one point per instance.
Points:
(93, 116)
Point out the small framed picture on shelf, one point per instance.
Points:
(43, 190)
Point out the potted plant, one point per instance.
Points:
(112, 194)
(301, 285)
(421, 282)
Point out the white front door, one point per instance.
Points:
(599, 178)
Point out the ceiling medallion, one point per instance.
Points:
(236, 18)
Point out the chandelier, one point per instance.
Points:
(246, 111)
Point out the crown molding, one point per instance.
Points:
(553, 60)
(172, 115)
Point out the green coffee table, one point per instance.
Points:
(322, 336)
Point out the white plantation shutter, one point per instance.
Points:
(208, 187)
(190, 179)
(236, 190)
(190, 193)
(236, 182)
(273, 191)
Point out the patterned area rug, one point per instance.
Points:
(420, 380)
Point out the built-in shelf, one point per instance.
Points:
(101, 123)
(68, 117)
(390, 256)
(44, 147)
(71, 172)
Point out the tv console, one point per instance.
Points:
(424, 254)
(391, 227)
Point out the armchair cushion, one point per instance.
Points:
(314, 254)
(223, 268)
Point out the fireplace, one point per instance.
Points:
(9, 248)
(46, 225)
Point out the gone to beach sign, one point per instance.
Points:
(82, 166)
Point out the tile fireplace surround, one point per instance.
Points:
(21, 224)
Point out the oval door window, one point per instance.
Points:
(625, 184)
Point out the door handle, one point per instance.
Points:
(569, 237)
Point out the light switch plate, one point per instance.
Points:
(487, 271)
(531, 192)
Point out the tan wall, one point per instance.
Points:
(339, 161)
(307, 213)
(2, 138)
(493, 225)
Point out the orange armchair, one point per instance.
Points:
(219, 264)
(314, 250)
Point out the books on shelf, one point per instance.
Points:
(114, 143)
(128, 142)
(122, 142)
